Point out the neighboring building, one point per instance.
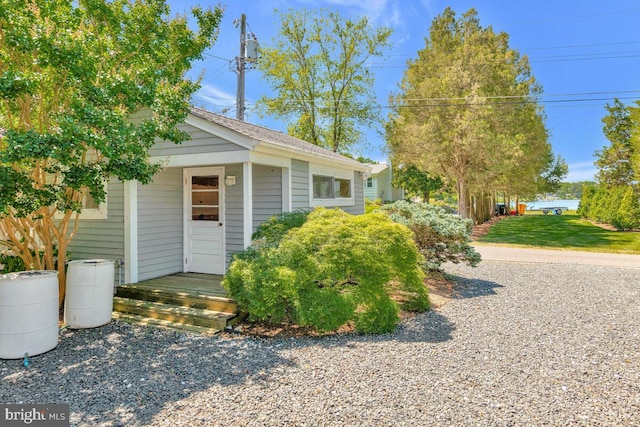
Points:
(380, 184)
(214, 191)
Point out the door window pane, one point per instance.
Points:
(204, 198)
(205, 213)
(204, 182)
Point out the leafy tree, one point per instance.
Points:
(414, 181)
(552, 175)
(635, 141)
(72, 75)
(467, 111)
(615, 161)
(317, 69)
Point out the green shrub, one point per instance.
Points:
(618, 206)
(627, 214)
(11, 263)
(371, 205)
(276, 227)
(440, 235)
(586, 200)
(333, 269)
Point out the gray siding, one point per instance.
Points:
(267, 193)
(103, 238)
(160, 235)
(234, 238)
(200, 142)
(299, 184)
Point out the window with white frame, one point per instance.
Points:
(91, 209)
(369, 182)
(331, 186)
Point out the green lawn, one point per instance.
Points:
(566, 231)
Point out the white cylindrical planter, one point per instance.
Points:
(28, 313)
(89, 297)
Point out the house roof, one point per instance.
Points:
(378, 167)
(272, 137)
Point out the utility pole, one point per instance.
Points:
(241, 66)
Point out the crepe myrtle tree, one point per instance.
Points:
(72, 74)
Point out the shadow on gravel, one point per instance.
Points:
(124, 375)
(121, 375)
(472, 288)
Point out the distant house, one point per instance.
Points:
(380, 184)
(213, 192)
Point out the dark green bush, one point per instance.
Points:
(440, 235)
(333, 269)
(618, 206)
(11, 263)
(276, 227)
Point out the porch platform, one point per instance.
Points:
(187, 301)
(194, 284)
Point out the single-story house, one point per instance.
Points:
(213, 192)
(380, 184)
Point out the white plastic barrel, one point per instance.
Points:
(28, 313)
(89, 299)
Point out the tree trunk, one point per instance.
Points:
(463, 199)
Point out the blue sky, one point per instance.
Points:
(583, 52)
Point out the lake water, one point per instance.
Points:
(571, 204)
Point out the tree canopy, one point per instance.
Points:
(615, 162)
(72, 75)
(468, 111)
(317, 71)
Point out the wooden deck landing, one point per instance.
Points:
(192, 284)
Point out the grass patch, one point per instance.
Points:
(566, 231)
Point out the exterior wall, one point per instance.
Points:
(234, 217)
(160, 233)
(103, 238)
(267, 193)
(358, 197)
(200, 142)
(382, 187)
(299, 185)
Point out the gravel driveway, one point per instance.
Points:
(521, 344)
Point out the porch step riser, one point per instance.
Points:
(171, 313)
(134, 319)
(221, 305)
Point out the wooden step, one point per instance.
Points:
(204, 302)
(135, 319)
(173, 313)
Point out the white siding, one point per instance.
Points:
(160, 236)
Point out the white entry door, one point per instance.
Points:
(204, 220)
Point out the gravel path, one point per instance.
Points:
(522, 344)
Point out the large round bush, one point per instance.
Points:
(333, 269)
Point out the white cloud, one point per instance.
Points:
(213, 98)
(582, 171)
